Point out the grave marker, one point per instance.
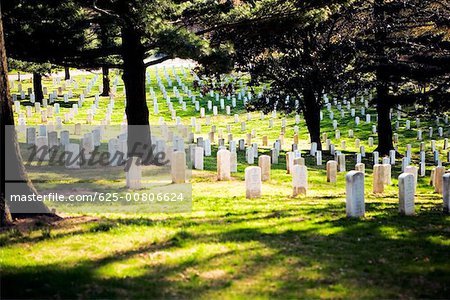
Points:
(72, 156)
(31, 136)
(253, 184)
(233, 162)
(178, 167)
(438, 179)
(360, 167)
(223, 165)
(264, 163)
(355, 194)
(406, 187)
(332, 171)
(299, 180)
(446, 192)
(341, 162)
(198, 158)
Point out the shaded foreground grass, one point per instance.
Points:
(232, 247)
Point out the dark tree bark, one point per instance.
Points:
(5, 113)
(37, 87)
(312, 116)
(385, 143)
(384, 126)
(106, 42)
(13, 172)
(133, 54)
(106, 83)
(66, 73)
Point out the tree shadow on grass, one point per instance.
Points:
(386, 255)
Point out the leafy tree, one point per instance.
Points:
(44, 31)
(136, 30)
(38, 70)
(303, 49)
(404, 53)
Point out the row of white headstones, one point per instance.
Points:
(48, 113)
(250, 157)
(90, 140)
(328, 145)
(63, 85)
(256, 175)
(93, 139)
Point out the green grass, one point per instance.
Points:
(233, 247)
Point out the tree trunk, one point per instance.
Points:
(312, 116)
(37, 87)
(14, 179)
(13, 175)
(66, 73)
(382, 78)
(5, 112)
(384, 126)
(139, 141)
(106, 87)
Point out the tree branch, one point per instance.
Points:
(157, 61)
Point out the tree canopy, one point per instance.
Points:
(304, 49)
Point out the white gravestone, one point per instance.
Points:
(438, 179)
(53, 139)
(31, 136)
(446, 192)
(223, 165)
(42, 149)
(355, 194)
(198, 161)
(113, 148)
(178, 167)
(332, 170)
(233, 162)
(264, 163)
(378, 179)
(72, 156)
(415, 172)
(341, 162)
(406, 194)
(253, 183)
(299, 180)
